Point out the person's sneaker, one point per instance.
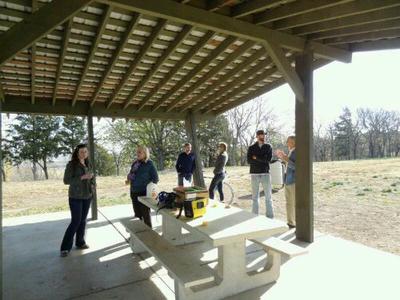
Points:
(83, 247)
(64, 253)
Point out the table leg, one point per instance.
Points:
(172, 231)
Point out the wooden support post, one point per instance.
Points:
(190, 125)
(1, 202)
(304, 150)
(92, 160)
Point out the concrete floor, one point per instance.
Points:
(333, 268)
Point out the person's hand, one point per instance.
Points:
(279, 153)
(87, 176)
(254, 157)
(126, 181)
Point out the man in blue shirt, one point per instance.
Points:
(186, 164)
(290, 187)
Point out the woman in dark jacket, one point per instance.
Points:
(219, 172)
(79, 177)
(141, 174)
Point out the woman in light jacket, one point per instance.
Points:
(219, 172)
(79, 177)
(141, 174)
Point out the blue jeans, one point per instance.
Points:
(217, 182)
(79, 211)
(265, 180)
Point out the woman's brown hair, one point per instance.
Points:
(75, 155)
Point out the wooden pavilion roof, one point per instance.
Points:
(163, 58)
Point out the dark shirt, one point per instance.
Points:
(141, 175)
(78, 188)
(291, 168)
(263, 155)
(186, 163)
(220, 163)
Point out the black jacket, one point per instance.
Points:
(263, 157)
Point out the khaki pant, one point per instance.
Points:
(290, 195)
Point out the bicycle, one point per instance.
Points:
(230, 196)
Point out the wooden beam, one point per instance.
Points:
(171, 48)
(367, 18)
(121, 45)
(252, 95)
(24, 34)
(284, 66)
(200, 44)
(153, 36)
(348, 9)
(254, 6)
(295, 8)
(193, 73)
(100, 30)
(93, 162)
(213, 72)
(33, 58)
(376, 45)
(241, 88)
(304, 151)
(381, 34)
(64, 45)
(20, 104)
(2, 95)
(259, 92)
(221, 80)
(187, 14)
(355, 30)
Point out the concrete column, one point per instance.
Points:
(190, 125)
(304, 150)
(92, 160)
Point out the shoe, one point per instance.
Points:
(64, 253)
(291, 226)
(83, 247)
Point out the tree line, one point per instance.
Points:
(41, 139)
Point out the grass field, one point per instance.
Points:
(355, 200)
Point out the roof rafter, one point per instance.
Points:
(171, 48)
(153, 36)
(241, 88)
(376, 45)
(236, 81)
(35, 26)
(192, 73)
(294, 9)
(100, 30)
(67, 33)
(121, 45)
(252, 7)
(229, 74)
(33, 60)
(348, 9)
(372, 17)
(214, 71)
(198, 17)
(381, 34)
(202, 41)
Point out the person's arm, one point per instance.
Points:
(291, 161)
(153, 173)
(178, 164)
(249, 156)
(69, 176)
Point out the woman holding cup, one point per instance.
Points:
(78, 175)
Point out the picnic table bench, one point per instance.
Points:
(226, 229)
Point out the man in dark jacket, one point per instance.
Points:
(186, 164)
(258, 157)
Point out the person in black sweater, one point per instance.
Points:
(186, 164)
(258, 157)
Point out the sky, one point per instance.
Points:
(371, 80)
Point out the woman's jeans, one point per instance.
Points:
(141, 211)
(265, 180)
(79, 210)
(216, 183)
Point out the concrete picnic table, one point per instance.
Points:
(227, 228)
